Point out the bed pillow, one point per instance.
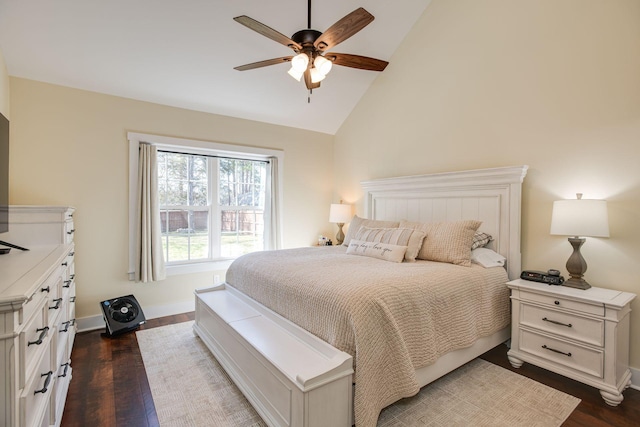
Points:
(385, 251)
(357, 222)
(480, 240)
(487, 258)
(446, 241)
(408, 237)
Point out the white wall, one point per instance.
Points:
(549, 83)
(4, 88)
(69, 147)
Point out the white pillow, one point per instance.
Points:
(385, 251)
(487, 258)
(408, 237)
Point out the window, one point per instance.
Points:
(210, 208)
(214, 200)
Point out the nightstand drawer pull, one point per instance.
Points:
(555, 322)
(556, 351)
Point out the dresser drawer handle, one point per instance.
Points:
(43, 333)
(555, 322)
(57, 306)
(64, 264)
(47, 289)
(556, 302)
(66, 326)
(46, 383)
(556, 351)
(67, 283)
(72, 299)
(66, 367)
(71, 231)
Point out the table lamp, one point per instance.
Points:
(340, 214)
(579, 217)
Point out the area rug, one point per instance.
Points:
(190, 388)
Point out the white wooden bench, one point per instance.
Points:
(290, 377)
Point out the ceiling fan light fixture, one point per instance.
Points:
(295, 73)
(322, 64)
(316, 75)
(300, 62)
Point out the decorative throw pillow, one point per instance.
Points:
(408, 237)
(446, 241)
(480, 240)
(357, 222)
(385, 251)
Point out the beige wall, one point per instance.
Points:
(549, 83)
(4, 88)
(69, 147)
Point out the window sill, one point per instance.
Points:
(199, 267)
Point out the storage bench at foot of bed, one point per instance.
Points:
(290, 377)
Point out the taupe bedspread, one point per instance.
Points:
(392, 318)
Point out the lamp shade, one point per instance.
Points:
(339, 213)
(580, 217)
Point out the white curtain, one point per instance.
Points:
(149, 259)
(272, 239)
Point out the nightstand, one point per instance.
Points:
(581, 334)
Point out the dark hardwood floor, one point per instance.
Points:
(110, 387)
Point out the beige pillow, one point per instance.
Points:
(408, 237)
(446, 241)
(357, 222)
(385, 251)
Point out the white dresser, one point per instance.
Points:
(37, 316)
(581, 334)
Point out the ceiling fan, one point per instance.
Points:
(312, 59)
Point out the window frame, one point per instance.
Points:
(192, 146)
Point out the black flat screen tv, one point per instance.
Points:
(4, 174)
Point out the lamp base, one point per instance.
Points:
(340, 235)
(576, 283)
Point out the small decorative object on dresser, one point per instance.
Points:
(37, 316)
(581, 334)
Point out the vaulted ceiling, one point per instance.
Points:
(182, 53)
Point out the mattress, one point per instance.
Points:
(393, 318)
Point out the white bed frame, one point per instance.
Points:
(291, 377)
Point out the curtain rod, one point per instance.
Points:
(213, 156)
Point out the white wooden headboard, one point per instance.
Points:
(490, 195)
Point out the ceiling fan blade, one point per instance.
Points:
(264, 63)
(307, 81)
(269, 32)
(343, 29)
(356, 61)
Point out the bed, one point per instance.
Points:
(311, 336)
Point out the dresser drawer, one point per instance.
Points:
(69, 231)
(585, 329)
(35, 302)
(35, 398)
(32, 341)
(559, 302)
(574, 356)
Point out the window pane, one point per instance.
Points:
(185, 234)
(242, 232)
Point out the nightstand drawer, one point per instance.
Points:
(563, 303)
(579, 358)
(585, 329)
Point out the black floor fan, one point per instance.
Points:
(122, 314)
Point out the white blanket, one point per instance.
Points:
(393, 318)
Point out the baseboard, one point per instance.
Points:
(635, 378)
(97, 322)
